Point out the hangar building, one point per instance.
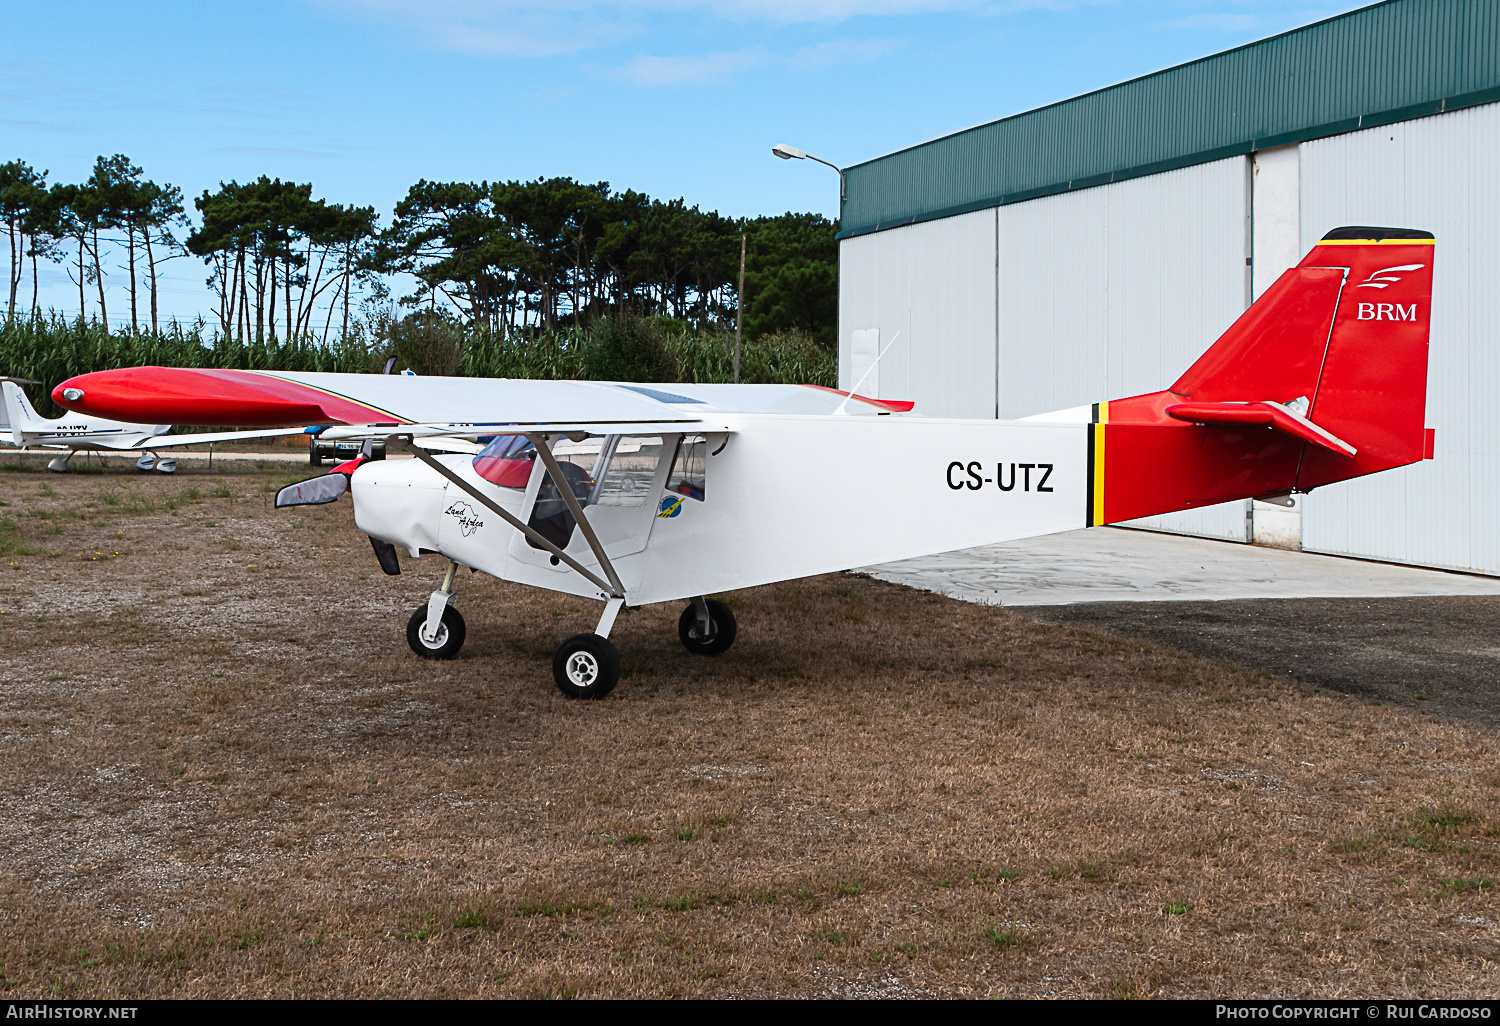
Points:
(1092, 249)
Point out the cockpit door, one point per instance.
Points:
(616, 480)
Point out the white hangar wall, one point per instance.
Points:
(1439, 174)
(1056, 302)
(930, 291)
(1113, 291)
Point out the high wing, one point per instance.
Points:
(264, 399)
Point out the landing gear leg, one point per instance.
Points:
(607, 618)
(436, 630)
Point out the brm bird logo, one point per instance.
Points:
(468, 522)
(1382, 279)
(1388, 276)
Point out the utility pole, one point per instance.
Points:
(739, 311)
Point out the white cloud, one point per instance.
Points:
(841, 51)
(704, 68)
(1223, 22)
(650, 71)
(522, 28)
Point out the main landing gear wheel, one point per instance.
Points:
(586, 666)
(450, 635)
(720, 635)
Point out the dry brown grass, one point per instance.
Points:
(225, 775)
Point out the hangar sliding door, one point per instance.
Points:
(1115, 291)
(934, 284)
(1437, 174)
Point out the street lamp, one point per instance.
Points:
(786, 152)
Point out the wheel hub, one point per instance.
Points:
(583, 669)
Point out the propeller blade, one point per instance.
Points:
(313, 492)
(385, 552)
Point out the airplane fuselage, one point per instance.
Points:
(782, 497)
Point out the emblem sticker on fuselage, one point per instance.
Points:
(468, 521)
(670, 507)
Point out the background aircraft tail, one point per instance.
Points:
(16, 412)
(1322, 379)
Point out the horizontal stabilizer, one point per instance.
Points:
(162, 441)
(1261, 414)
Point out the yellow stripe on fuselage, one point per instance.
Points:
(1097, 513)
(1377, 242)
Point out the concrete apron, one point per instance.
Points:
(1121, 565)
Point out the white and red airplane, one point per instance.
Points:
(23, 427)
(634, 494)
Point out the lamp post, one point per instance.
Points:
(786, 152)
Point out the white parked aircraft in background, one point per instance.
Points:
(633, 494)
(23, 427)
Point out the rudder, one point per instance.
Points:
(1322, 379)
(1373, 388)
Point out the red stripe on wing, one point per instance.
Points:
(893, 405)
(227, 398)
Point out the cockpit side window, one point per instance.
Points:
(615, 470)
(690, 468)
(550, 516)
(626, 469)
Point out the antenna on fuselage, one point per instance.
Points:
(866, 374)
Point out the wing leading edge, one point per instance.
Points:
(264, 399)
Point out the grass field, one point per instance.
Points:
(225, 775)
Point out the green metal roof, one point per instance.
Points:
(1394, 61)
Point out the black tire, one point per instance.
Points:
(450, 634)
(586, 666)
(719, 640)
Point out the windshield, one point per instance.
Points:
(506, 461)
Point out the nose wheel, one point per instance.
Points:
(448, 640)
(586, 666)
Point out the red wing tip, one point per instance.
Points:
(891, 405)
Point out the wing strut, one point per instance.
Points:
(545, 452)
(405, 442)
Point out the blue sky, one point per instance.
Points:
(362, 98)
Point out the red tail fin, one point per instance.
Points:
(1373, 390)
(1324, 378)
